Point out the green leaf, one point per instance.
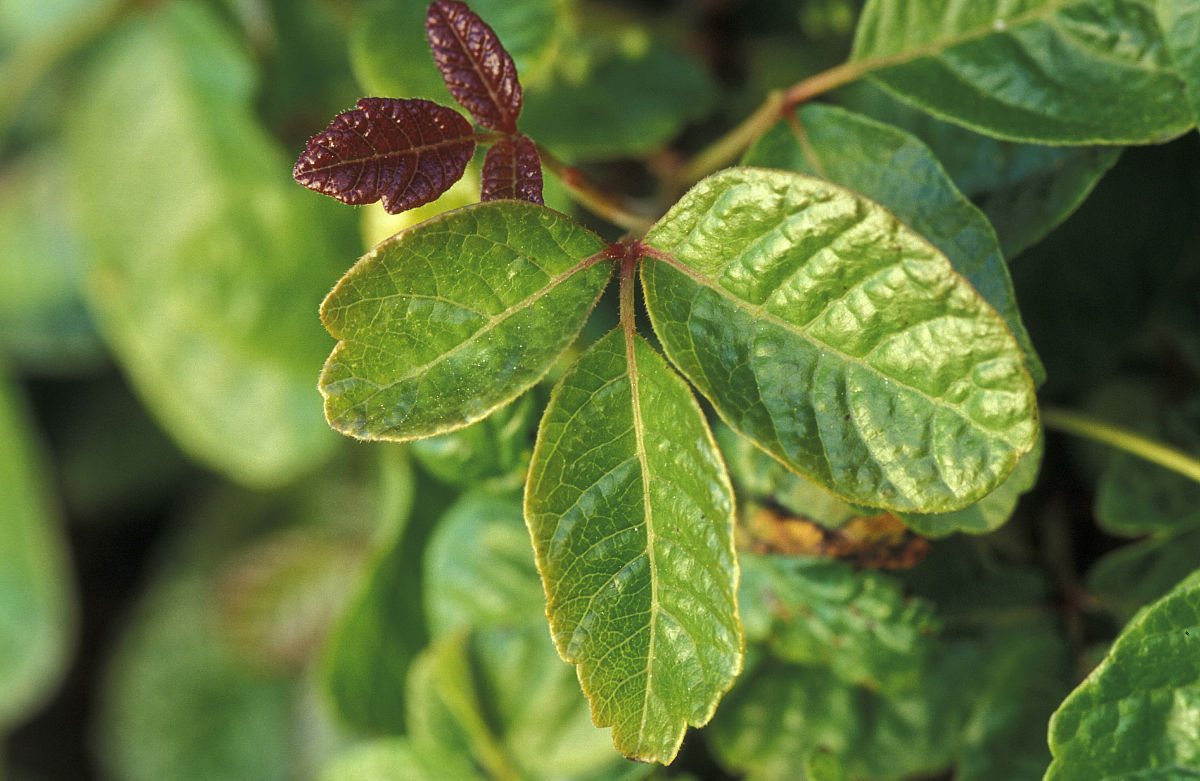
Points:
(452, 319)
(1025, 190)
(631, 515)
(44, 324)
(1180, 23)
(898, 172)
(479, 569)
(502, 697)
(208, 266)
(1139, 709)
(839, 341)
(989, 513)
(389, 759)
(37, 613)
(368, 655)
(492, 454)
(1049, 71)
(1139, 573)
(821, 613)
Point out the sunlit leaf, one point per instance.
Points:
(1051, 71)
(1138, 711)
(898, 172)
(630, 511)
(405, 152)
(512, 169)
(838, 340)
(446, 322)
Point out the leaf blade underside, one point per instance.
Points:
(838, 340)
(478, 71)
(631, 515)
(1047, 71)
(405, 152)
(446, 322)
(512, 170)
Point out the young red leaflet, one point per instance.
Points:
(479, 72)
(407, 152)
(512, 169)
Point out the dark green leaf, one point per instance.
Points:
(859, 626)
(1139, 710)
(1025, 190)
(492, 454)
(479, 568)
(209, 263)
(456, 317)
(502, 698)
(844, 344)
(1180, 22)
(1049, 71)
(897, 171)
(36, 603)
(631, 515)
(1139, 573)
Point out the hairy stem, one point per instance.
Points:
(603, 203)
(1122, 439)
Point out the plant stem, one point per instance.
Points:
(777, 105)
(1122, 439)
(629, 265)
(603, 203)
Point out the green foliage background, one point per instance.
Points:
(200, 580)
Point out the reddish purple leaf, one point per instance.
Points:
(407, 152)
(512, 169)
(481, 75)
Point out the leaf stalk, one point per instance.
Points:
(1123, 439)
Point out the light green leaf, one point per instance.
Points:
(501, 697)
(210, 262)
(839, 341)
(456, 317)
(631, 515)
(392, 759)
(479, 569)
(1049, 71)
(860, 626)
(44, 324)
(898, 172)
(37, 613)
(989, 513)
(1139, 710)
(491, 455)
(1180, 23)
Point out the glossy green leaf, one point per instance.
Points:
(1048, 71)
(37, 613)
(502, 698)
(989, 513)
(450, 320)
(898, 172)
(1139, 710)
(839, 341)
(479, 568)
(208, 266)
(1180, 22)
(631, 515)
(492, 454)
(860, 626)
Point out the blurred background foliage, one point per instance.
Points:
(199, 580)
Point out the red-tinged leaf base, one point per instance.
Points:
(512, 170)
(480, 74)
(405, 152)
